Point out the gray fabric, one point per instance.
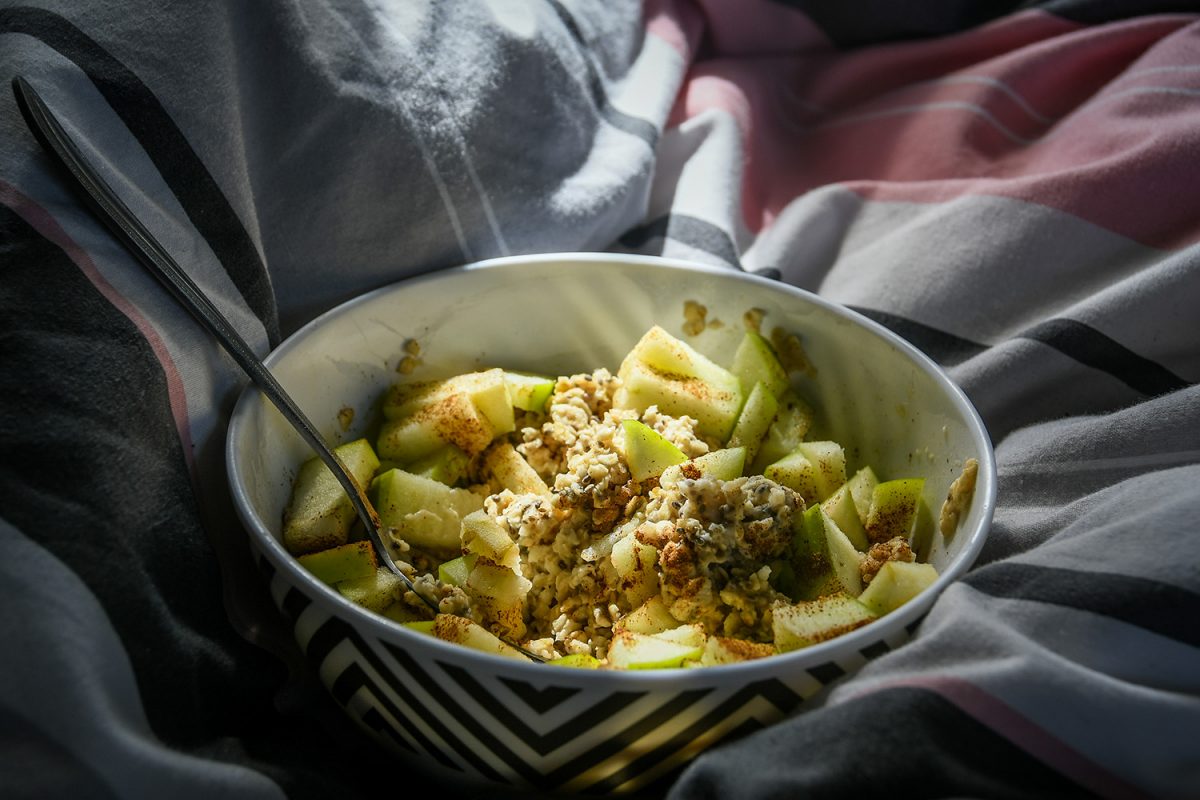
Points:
(1012, 197)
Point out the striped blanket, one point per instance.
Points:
(1011, 186)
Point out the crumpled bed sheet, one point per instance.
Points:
(1013, 192)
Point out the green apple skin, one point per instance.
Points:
(424, 512)
(342, 563)
(752, 424)
(375, 592)
(724, 464)
(841, 509)
(807, 623)
(629, 650)
(319, 514)
(755, 362)
(895, 584)
(647, 452)
(894, 506)
(825, 561)
(792, 422)
(529, 392)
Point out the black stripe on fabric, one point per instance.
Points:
(872, 21)
(1090, 347)
(1077, 341)
(1161, 608)
(944, 348)
(692, 231)
(180, 167)
(636, 126)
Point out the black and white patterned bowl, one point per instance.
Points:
(559, 728)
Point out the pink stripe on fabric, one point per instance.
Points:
(44, 223)
(760, 27)
(1088, 121)
(675, 22)
(1022, 732)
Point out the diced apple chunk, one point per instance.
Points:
(483, 536)
(446, 465)
(755, 362)
(319, 514)
(463, 631)
(424, 512)
(841, 509)
(824, 559)
(577, 661)
(498, 594)
(721, 650)
(634, 563)
(652, 616)
(529, 392)
(629, 650)
(724, 465)
(895, 584)
(792, 421)
(666, 372)
(508, 469)
(375, 592)
(807, 623)
(647, 452)
(894, 506)
(754, 420)
(342, 563)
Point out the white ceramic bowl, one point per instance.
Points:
(569, 729)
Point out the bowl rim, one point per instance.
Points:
(395, 633)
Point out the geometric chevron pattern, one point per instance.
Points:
(548, 737)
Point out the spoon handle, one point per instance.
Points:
(130, 231)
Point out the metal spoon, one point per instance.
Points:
(130, 231)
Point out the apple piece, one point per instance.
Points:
(647, 452)
(375, 592)
(577, 661)
(787, 431)
(861, 486)
(420, 625)
(665, 353)
(723, 650)
(460, 630)
(829, 460)
(342, 563)
(319, 514)
(692, 635)
(895, 584)
(752, 424)
(529, 392)
(755, 362)
(724, 464)
(796, 472)
(452, 419)
(507, 469)
(483, 536)
(894, 506)
(841, 509)
(487, 391)
(446, 465)
(807, 623)
(424, 512)
(666, 372)
(635, 565)
(824, 559)
(498, 593)
(455, 571)
(629, 650)
(650, 617)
